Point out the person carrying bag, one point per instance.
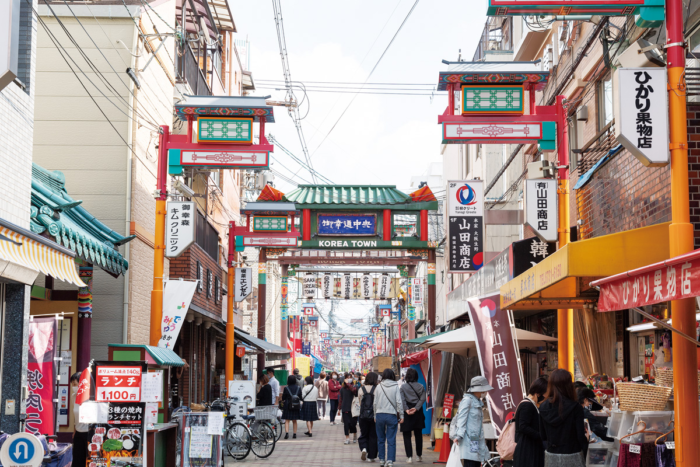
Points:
(368, 428)
(467, 428)
(388, 409)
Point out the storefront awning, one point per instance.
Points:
(461, 340)
(24, 254)
(155, 355)
(561, 280)
(421, 339)
(271, 351)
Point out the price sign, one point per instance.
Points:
(118, 384)
(635, 449)
(670, 445)
(447, 404)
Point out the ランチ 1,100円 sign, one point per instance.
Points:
(179, 227)
(465, 224)
(641, 113)
(541, 210)
(118, 383)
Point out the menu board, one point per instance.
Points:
(122, 437)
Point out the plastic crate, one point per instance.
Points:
(655, 421)
(614, 422)
(598, 454)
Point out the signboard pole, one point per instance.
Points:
(262, 303)
(681, 241)
(230, 326)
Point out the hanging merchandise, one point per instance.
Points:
(367, 286)
(309, 285)
(327, 286)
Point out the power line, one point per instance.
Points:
(358, 92)
(346, 82)
(299, 161)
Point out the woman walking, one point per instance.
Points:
(368, 428)
(333, 391)
(388, 412)
(309, 411)
(529, 451)
(292, 405)
(413, 397)
(561, 423)
(467, 430)
(264, 396)
(322, 386)
(347, 394)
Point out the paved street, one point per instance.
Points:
(326, 448)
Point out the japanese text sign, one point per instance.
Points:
(284, 298)
(641, 114)
(179, 227)
(40, 376)
(416, 291)
(118, 383)
(347, 224)
(177, 296)
(244, 283)
(309, 285)
(541, 210)
(121, 435)
(447, 405)
(497, 357)
(465, 225)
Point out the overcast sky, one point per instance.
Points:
(380, 139)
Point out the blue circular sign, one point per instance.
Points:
(21, 451)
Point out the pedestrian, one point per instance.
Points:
(467, 429)
(322, 386)
(300, 379)
(333, 392)
(274, 384)
(388, 410)
(264, 396)
(368, 427)
(358, 380)
(347, 395)
(561, 423)
(309, 410)
(81, 436)
(586, 397)
(413, 396)
(291, 396)
(529, 451)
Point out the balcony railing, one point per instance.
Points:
(496, 36)
(595, 149)
(188, 71)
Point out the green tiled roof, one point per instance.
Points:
(161, 356)
(366, 195)
(67, 223)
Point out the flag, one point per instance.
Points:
(84, 386)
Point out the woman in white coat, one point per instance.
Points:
(467, 430)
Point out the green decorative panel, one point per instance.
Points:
(270, 224)
(225, 130)
(492, 100)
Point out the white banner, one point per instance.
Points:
(243, 283)
(383, 286)
(310, 285)
(179, 227)
(417, 291)
(367, 285)
(541, 210)
(346, 287)
(177, 296)
(327, 286)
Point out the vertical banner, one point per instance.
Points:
(497, 357)
(347, 286)
(177, 296)
(309, 285)
(327, 286)
(465, 201)
(541, 209)
(416, 291)
(366, 286)
(179, 227)
(43, 338)
(284, 298)
(383, 286)
(243, 283)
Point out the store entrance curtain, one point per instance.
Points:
(595, 341)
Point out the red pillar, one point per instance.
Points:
(306, 224)
(424, 225)
(387, 225)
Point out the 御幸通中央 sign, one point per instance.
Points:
(179, 227)
(347, 224)
(118, 383)
(465, 225)
(244, 283)
(225, 130)
(480, 99)
(270, 224)
(541, 210)
(641, 114)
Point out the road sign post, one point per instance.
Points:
(22, 450)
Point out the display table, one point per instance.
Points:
(160, 436)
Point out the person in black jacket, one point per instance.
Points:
(347, 394)
(561, 423)
(264, 396)
(586, 397)
(529, 451)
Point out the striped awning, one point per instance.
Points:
(26, 252)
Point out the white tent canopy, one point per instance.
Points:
(461, 340)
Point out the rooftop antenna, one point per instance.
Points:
(459, 58)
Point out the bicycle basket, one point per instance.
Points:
(268, 412)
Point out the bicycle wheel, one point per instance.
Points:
(238, 441)
(264, 439)
(278, 426)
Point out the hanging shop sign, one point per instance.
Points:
(384, 310)
(243, 283)
(503, 99)
(284, 298)
(640, 109)
(225, 130)
(541, 209)
(417, 291)
(465, 225)
(283, 242)
(350, 224)
(177, 296)
(118, 383)
(240, 351)
(367, 284)
(346, 286)
(215, 158)
(42, 342)
(309, 285)
(308, 309)
(179, 227)
(270, 224)
(306, 348)
(497, 357)
(383, 286)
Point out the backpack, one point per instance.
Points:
(367, 405)
(295, 403)
(506, 440)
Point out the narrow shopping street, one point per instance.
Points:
(326, 448)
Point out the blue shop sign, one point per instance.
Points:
(347, 224)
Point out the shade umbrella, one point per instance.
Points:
(461, 340)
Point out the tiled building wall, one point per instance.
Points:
(694, 168)
(185, 266)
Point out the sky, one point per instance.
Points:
(381, 140)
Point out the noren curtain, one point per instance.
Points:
(594, 341)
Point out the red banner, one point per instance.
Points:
(40, 376)
(675, 279)
(497, 357)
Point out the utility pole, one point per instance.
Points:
(230, 326)
(159, 240)
(685, 360)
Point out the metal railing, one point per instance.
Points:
(496, 36)
(188, 71)
(595, 148)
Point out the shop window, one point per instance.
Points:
(605, 101)
(217, 290)
(207, 237)
(405, 225)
